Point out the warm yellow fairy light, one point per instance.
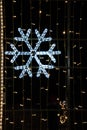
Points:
(1, 63)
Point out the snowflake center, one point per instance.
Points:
(33, 52)
(25, 38)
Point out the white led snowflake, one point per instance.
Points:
(33, 53)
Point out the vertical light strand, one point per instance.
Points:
(65, 44)
(23, 96)
(73, 58)
(81, 88)
(13, 104)
(40, 13)
(31, 66)
(68, 62)
(1, 63)
(57, 28)
(48, 82)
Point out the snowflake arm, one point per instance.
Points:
(42, 68)
(25, 68)
(50, 53)
(41, 38)
(15, 53)
(24, 37)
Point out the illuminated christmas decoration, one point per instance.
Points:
(1, 66)
(33, 53)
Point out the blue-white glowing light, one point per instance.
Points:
(33, 53)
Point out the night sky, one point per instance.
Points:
(40, 103)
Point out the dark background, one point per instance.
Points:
(34, 103)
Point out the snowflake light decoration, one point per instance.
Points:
(33, 53)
